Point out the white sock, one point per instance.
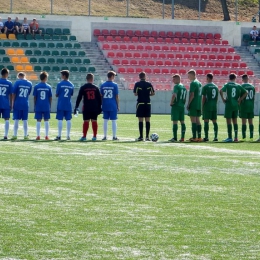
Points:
(38, 128)
(59, 128)
(16, 126)
(114, 127)
(68, 128)
(47, 126)
(25, 128)
(6, 127)
(105, 127)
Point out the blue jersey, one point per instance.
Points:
(6, 90)
(42, 93)
(22, 90)
(64, 92)
(109, 91)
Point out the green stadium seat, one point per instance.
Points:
(55, 69)
(49, 31)
(33, 60)
(74, 69)
(66, 31)
(58, 31)
(51, 45)
(47, 37)
(69, 61)
(51, 60)
(6, 59)
(73, 53)
(257, 50)
(82, 69)
(42, 60)
(59, 45)
(20, 37)
(46, 68)
(6, 44)
(42, 45)
(251, 43)
(2, 52)
(72, 38)
(24, 45)
(1, 67)
(29, 37)
(55, 53)
(42, 29)
(37, 53)
(46, 53)
(28, 53)
(10, 67)
(60, 61)
(15, 44)
(86, 61)
(246, 37)
(64, 68)
(0, 43)
(64, 53)
(68, 45)
(37, 68)
(63, 37)
(78, 61)
(33, 45)
(81, 53)
(76, 46)
(38, 37)
(92, 69)
(56, 38)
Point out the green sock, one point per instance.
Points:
(199, 131)
(183, 130)
(229, 130)
(194, 130)
(236, 130)
(206, 129)
(243, 131)
(251, 129)
(215, 130)
(175, 129)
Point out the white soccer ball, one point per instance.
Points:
(154, 137)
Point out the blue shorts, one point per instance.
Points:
(20, 114)
(44, 115)
(63, 114)
(112, 115)
(5, 113)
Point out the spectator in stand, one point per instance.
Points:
(254, 34)
(1, 26)
(35, 27)
(9, 26)
(25, 26)
(17, 26)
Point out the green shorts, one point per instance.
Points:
(246, 115)
(209, 115)
(177, 113)
(229, 113)
(194, 112)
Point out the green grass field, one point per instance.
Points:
(129, 200)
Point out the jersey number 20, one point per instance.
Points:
(23, 92)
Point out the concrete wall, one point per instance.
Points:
(83, 26)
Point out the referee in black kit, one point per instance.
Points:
(143, 90)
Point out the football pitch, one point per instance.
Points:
(126, 199)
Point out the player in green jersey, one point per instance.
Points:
(209, 107)
(194, 106)
(178, 107)
(234, 95)
(246, 109)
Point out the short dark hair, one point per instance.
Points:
(245, 76)
(232, 76)
(192, 72)
(21, 74)
(110, 74)
(210, 76)
(142, 75)
(176, 76)
(43, 75)
(65, 73)
(4, 71)
(90, 76)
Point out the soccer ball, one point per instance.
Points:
(154, 137)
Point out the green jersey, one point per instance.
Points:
(180, 95)
(196, 88)
(247, 105)
(210, 91)
(233, 92)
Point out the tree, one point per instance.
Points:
(225, 10)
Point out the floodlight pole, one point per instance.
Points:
(89, 7)
(172, 9)
(236, 9)
(163, 9)
(127, 8)
(11, 6)
(51, 6)
(199, 8)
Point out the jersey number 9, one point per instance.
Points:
(42, 95)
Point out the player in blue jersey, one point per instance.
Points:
(110, 103)
(42, 104)
(5, 99)
(20, 104)
(64, 92)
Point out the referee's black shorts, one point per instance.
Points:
(143, 110)
(90, 115)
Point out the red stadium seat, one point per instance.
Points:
(146, 34)
(154, 55)
(130, 70)
(207, 71)
(126, 39)
(201, 36)
(182, 48)
(101, 38)
(217, 36)
(156, 48)
(195, 56)
(209, 36)
(186, 35)
(193, 41)
(210, 64)
(105, 32)
(200, 41)
(151, 40)
(143, 39)
(106, 46)
(176, 40)
(148, 48)
(160, 40)
(229, 57)
(119, 54)
(114, 47)
(241, 72)
(174, 71)
(235, 65)
(129, 33)
(162, 34)
(214, 49)
(138, 70)
(165, 71)
(190, 49)
(193, 64)
(178, 56)
(145, 55)
(220, 57)
(224, 42)
(148, 70)
(125, 62)
(140, 47)
(121, 33)
(131, 47)
(97, 32)
(194, 35)
(122, 47)
(173, 48)
(218, 64)
(165, 48)
(128, 55)
(184, 63)
(134, 39)
(206, 49)
(110, 54)
(113, 32)
(201, 64)
(110, 39)
(176, 63)
(168, 63)
(217, 42)
(198, 49)
(187, 56)
(184, 41)
(142, 63)
(133, 62)
(116, 62)
(170, 35)
(209, 41)
(162, 56)
(121, 70)
(178, 35)
(250, 73)
(237, 57)
(170, 56)
(223, 50)
(137, 55)
(226, 65)
(200, 72)
(150, 63)
(243, 65)
(168, 40)
(231, 50)
(118, 39)
(154, 34)
(156, 71)
(204, 56)
(159, 63)
(212, 57)
(224, 73)
(182, 71)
